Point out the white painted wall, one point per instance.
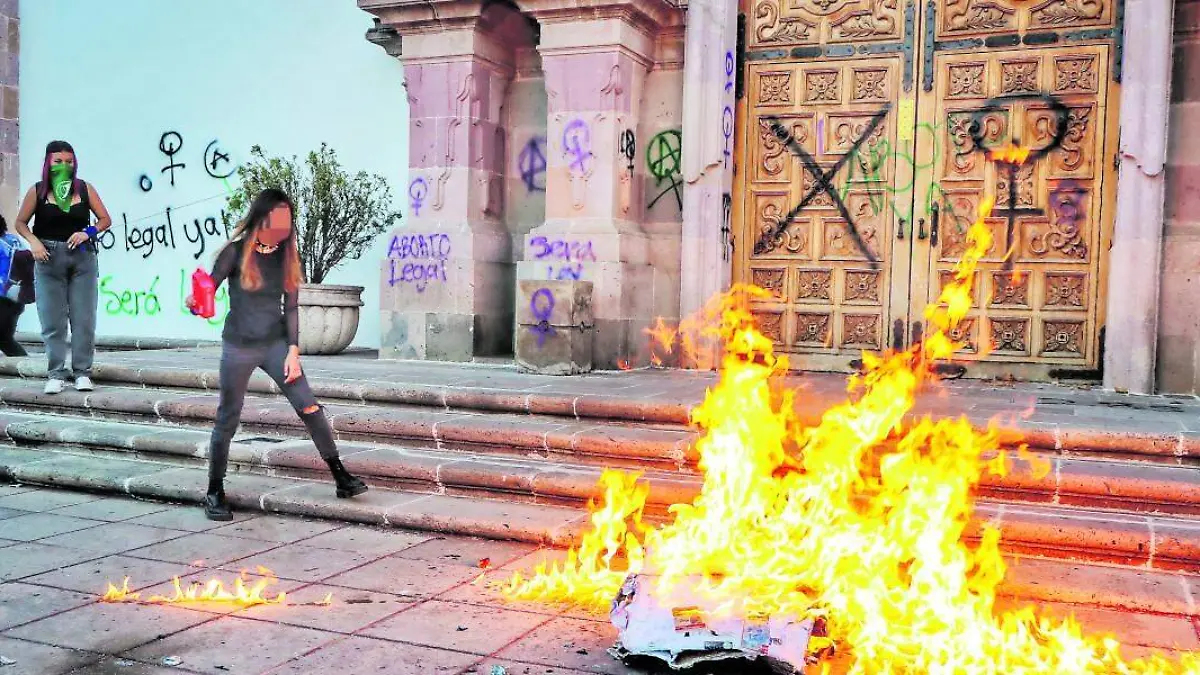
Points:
(112, 77)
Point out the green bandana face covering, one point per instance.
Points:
(60, 185)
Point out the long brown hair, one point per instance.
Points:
(246, 231)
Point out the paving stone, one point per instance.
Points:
(351, 609)
(118, 665)
(113, 537)
(307, 563)
(516, 668)
(38, 659)
(461, 627)
(212, 548)
(39, 525)
(488, 591)
(45, 500)
(500, 520)
(273, 528)
(9, 489)
(569, 643)
(113, 509)
(468, 551)
(110, 628)
(21, 602)
(94, 576)
(368, 541)
(29, 558)
(188, 517)
(362, 655)
(234, 645)
(12, 513)
(408, 578)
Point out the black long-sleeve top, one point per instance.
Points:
(259, 317)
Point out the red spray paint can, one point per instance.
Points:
(204, 294)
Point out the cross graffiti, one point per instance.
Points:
(823, 185)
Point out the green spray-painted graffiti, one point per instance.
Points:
(867, 169)
(128, 301)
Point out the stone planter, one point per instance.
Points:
(328, 317)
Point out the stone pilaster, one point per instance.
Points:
(10, 51)
(595, 68)
(447, 280)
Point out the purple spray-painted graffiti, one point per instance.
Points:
(417, 191)
(577, 144)
(565, 257)
(542, 305)
(418, 259)
(727, 113)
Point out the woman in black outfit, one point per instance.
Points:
(263, 267)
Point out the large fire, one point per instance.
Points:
(859, 520)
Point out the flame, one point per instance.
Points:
(623, 364)
(859, 520)
(1009, 154)
(243, 593)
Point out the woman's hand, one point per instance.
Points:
(38, 250)
(190, 303)
(291, 366)
(77, 240)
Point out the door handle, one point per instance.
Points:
(921, 234)
(936, 217)
(900, 230)
(898, 335)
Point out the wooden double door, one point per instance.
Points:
(867, 135)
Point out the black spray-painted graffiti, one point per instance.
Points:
(418, 259)
(148, 239)
(1011, 162)
(541, 305)
(823, 184)
(577, 145)
(217, 162)
(564, 258)
(627, 145)
(664, 158)
(532, 164)
(170, 143)
(726, 227)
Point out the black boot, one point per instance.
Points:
(215, 506)
(347, 485)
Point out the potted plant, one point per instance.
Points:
(338, 217)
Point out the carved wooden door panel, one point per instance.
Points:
(864, 133)
(819, 174)
(1053, 93)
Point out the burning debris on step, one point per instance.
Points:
(678, 632)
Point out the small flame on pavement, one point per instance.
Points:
(243, 593)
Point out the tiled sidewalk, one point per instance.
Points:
(404, 602)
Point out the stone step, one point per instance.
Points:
(553, 473)
(599, 442)
(1052, 529)
(1057, 431)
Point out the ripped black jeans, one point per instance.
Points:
(237, 365)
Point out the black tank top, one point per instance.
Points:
(54, 224)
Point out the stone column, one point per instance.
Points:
(595, 68)
(1134, 271)
(10, 50)
(708, 127)
(448, 276)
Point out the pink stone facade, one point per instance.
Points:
(1179, 317)
(554, 142)
(10, 50)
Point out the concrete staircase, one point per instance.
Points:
(521, 466)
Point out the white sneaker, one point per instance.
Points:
(83, 383)
(54, 386)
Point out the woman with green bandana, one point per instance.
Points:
(63, 242)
